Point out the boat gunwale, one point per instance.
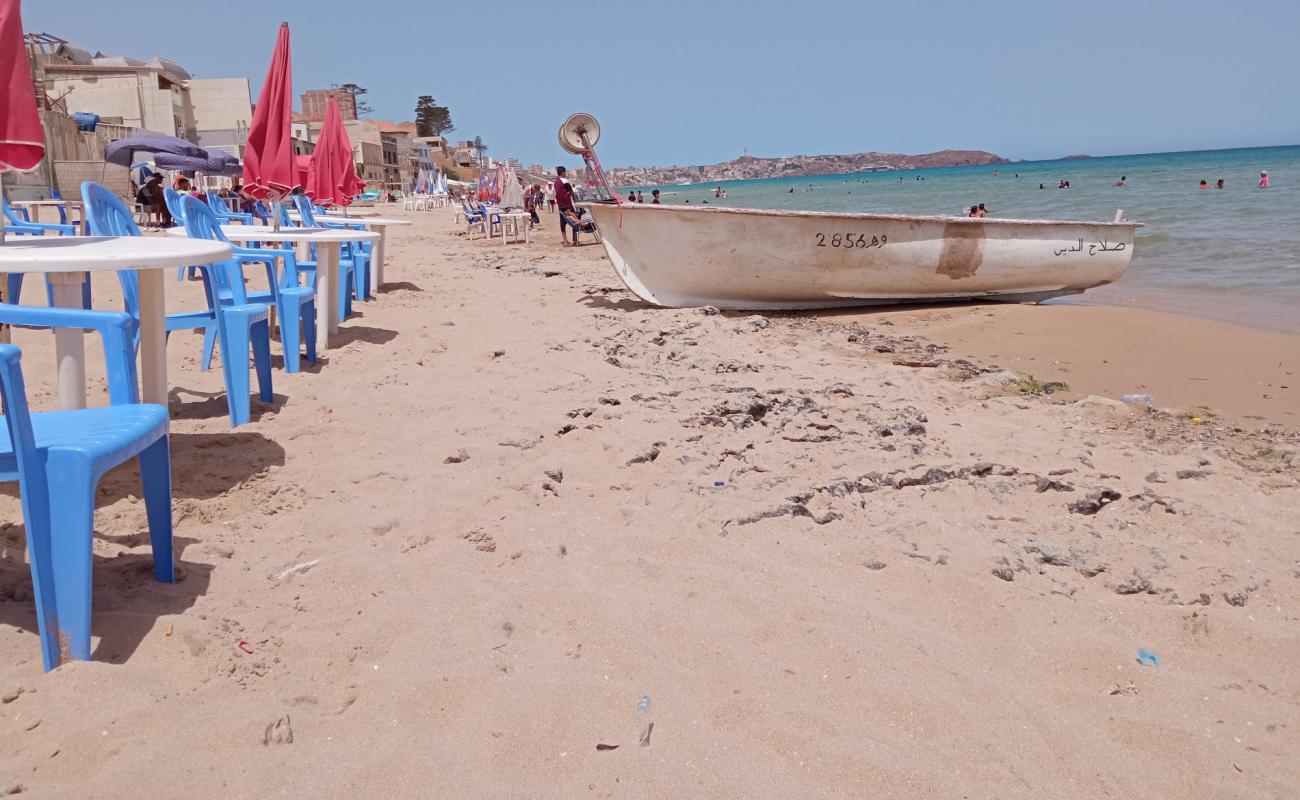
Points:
(855, 215)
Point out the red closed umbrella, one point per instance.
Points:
(22, 145)
(332, 179)
(303, 165)
(269, 168)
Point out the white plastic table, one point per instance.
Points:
(327, 241)
(379, 225)
(66, 259)
(517, 222)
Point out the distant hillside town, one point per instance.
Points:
(88, 99)
(750, 167)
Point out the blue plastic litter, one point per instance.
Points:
(1147, 658)
(719, 484)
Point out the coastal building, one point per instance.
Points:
(304, 139)
(315, 101)
(392, 169)
(223, 111)
(404, 135)
(367, 149)
(151, 95)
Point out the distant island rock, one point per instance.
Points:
(750, 167)
(1080, 155)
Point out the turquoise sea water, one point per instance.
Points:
(1240, 243)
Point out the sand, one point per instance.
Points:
(460, 550)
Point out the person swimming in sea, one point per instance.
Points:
(1205, 184)
(1122, 182)
(1218, 184)
(1263, 179)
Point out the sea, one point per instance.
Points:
(1231, 254)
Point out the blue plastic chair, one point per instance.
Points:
(347, 264)
(294, 303)
(119, 332)
(235, 325)
(358, 254)
(240, 323)
(63, 210)
(107, 216)
(16, 225)
(58, 458)
(223, 212)
(173, 200)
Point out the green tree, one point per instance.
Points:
(480, 148)
(363, 108)
(432, 119)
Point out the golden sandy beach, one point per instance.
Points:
(850, 554)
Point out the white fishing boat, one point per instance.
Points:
(740, 258)
(682, 256)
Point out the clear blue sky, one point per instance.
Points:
(697, 82)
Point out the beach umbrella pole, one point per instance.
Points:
(4, 279)
(275, 214)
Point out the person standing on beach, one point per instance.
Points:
(564, 201)
(1263, 180)
(640, 198)
(654, 197)
(530, 205)
(631, 197)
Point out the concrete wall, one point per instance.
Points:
(223, 111)
(134, 96)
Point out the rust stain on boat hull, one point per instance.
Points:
(963, 250)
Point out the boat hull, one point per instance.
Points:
(680, 257)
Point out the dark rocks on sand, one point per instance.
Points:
(647, 455)
(460, 457)
(1004, 570)
(1137, 583)
(1094, 501)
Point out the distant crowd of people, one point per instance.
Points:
(150, 196)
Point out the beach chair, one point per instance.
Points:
(173, 200)
(58, 458)
(294, 303)
(55, 194)
(586, 225)
(117, 329)
(235, 325)
(476, 218)
(16, 225)
(358, 253)
(223, 212)
(347, 264)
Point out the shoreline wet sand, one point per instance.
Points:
(516, 499)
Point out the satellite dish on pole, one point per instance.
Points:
(579, 133)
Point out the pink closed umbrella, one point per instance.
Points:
(269, 168)
(332, 179)
(303, 165)
(326, 175)
(22, 144)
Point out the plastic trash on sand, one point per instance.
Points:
(1147, 658)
